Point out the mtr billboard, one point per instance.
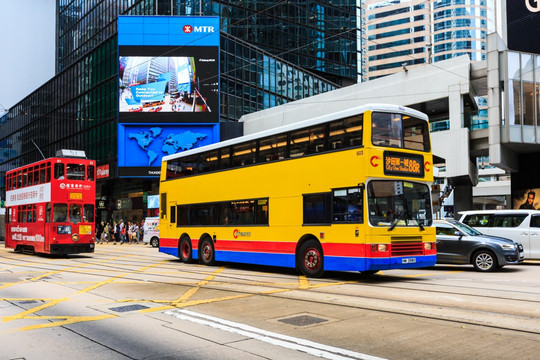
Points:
(168, 96)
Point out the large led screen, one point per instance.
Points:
(142, 146)
(168, 88)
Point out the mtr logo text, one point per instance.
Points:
(188, 29)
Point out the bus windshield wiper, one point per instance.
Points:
(401, 216)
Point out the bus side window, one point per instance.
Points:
(173, 214)
(163, 205)
(59, 171)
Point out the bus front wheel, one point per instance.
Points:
(185, 250)
(310, 259)
(207, 252)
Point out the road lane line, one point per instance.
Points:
(289, 342)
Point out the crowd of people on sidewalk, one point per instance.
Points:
(119, 232)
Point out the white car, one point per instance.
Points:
(151, 231)
(522, 226)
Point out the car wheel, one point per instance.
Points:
(485, 260)
(154, 242)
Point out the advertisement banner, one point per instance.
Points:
(29, 195)
(523, 25)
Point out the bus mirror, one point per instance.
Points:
(362, 186)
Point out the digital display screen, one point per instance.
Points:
(403, 164)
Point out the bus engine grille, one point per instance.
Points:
(407, 249)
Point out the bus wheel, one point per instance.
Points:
(185, 250)
(310, 259)
(207, 252)
(154, 242)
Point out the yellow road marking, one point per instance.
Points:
(303, 282)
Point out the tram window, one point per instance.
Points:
(90, 173)
(75, 213)
(75, 171)
(48, 177)
(48, 213)
(36, 177)
(88, 215)
(59, 171)
(59, 212)
(24, 179)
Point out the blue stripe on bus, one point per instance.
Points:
(331, 263)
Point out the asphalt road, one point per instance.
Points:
(132, 302)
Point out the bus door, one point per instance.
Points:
(44, 219)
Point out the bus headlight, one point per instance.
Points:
(75, 237)
(379, 247)
(64, 229)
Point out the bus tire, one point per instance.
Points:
(185, 250)
(154, 241)
(309, 259)
(206, 254)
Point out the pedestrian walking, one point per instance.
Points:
(99, 231)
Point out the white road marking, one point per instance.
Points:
(289, 342)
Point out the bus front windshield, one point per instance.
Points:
(399, 203)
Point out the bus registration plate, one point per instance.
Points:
(408, 261)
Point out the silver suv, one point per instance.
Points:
(458, 243)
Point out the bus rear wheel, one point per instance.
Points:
(310, 259)
(207, 252)
(185, 250)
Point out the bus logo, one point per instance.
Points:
(373, 159)
(237, 233)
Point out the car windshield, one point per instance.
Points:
(466, 229)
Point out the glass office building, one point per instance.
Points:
(406, 33)
(271, 53)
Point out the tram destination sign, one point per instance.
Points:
(396, 163)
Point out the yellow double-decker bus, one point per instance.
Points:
(349, 191)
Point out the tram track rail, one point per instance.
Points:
(363, 294)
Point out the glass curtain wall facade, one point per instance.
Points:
(78, 108)
(414, 32)
(521, 117)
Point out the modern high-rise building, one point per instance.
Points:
(401, 34)
(271, 53)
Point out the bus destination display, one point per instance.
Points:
(403, 164)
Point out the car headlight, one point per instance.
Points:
(508, 246)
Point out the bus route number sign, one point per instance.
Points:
(403, 164)
(75, 196)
